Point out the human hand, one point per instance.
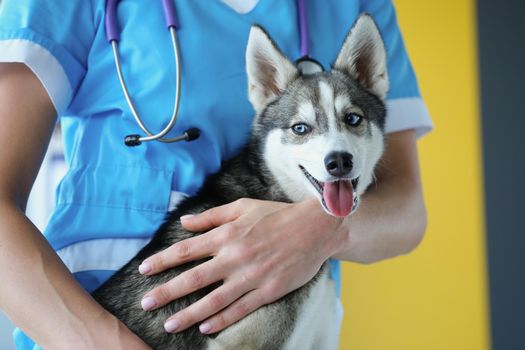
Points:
(261, 250)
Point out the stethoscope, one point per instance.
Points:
(305, 64)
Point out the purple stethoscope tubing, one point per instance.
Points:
(303, 27)
(111, 23)
(305, 64)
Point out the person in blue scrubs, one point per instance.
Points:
(55, 62)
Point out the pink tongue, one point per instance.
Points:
(338, 197)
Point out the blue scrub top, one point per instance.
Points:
(112, 192)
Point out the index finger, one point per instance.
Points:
(213, 217)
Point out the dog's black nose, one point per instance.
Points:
(338, 163)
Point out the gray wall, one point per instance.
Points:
(502, 58)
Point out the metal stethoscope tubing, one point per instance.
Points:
(159, 136)
(113, 38)
(306, 65)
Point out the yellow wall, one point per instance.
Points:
(436, 297)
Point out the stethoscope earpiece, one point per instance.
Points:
(192, 134)
(189, 135)
(132, 140)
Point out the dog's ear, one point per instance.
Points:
(363, 56)
(269, 71)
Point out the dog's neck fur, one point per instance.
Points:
(255, 181)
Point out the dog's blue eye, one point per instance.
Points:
(353, 119)
(301, 128)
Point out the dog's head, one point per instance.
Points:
(323, 133)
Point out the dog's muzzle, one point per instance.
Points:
(339, 197)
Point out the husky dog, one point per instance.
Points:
(317, 135)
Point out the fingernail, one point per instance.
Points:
(205, 327)
(186, 217)
(144, 268)
(171, 326)
(148, 303)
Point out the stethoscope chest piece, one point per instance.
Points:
(308, 66)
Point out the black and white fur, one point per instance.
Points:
(280, 165)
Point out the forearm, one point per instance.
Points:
(40, 295)
(391, 221)
(392, 217)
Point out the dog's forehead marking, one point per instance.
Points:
(326, 98)
(334, 103)
(306, 112)
(341, 102)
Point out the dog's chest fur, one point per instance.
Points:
(288, 323)
(310, 324)
(305, 318)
